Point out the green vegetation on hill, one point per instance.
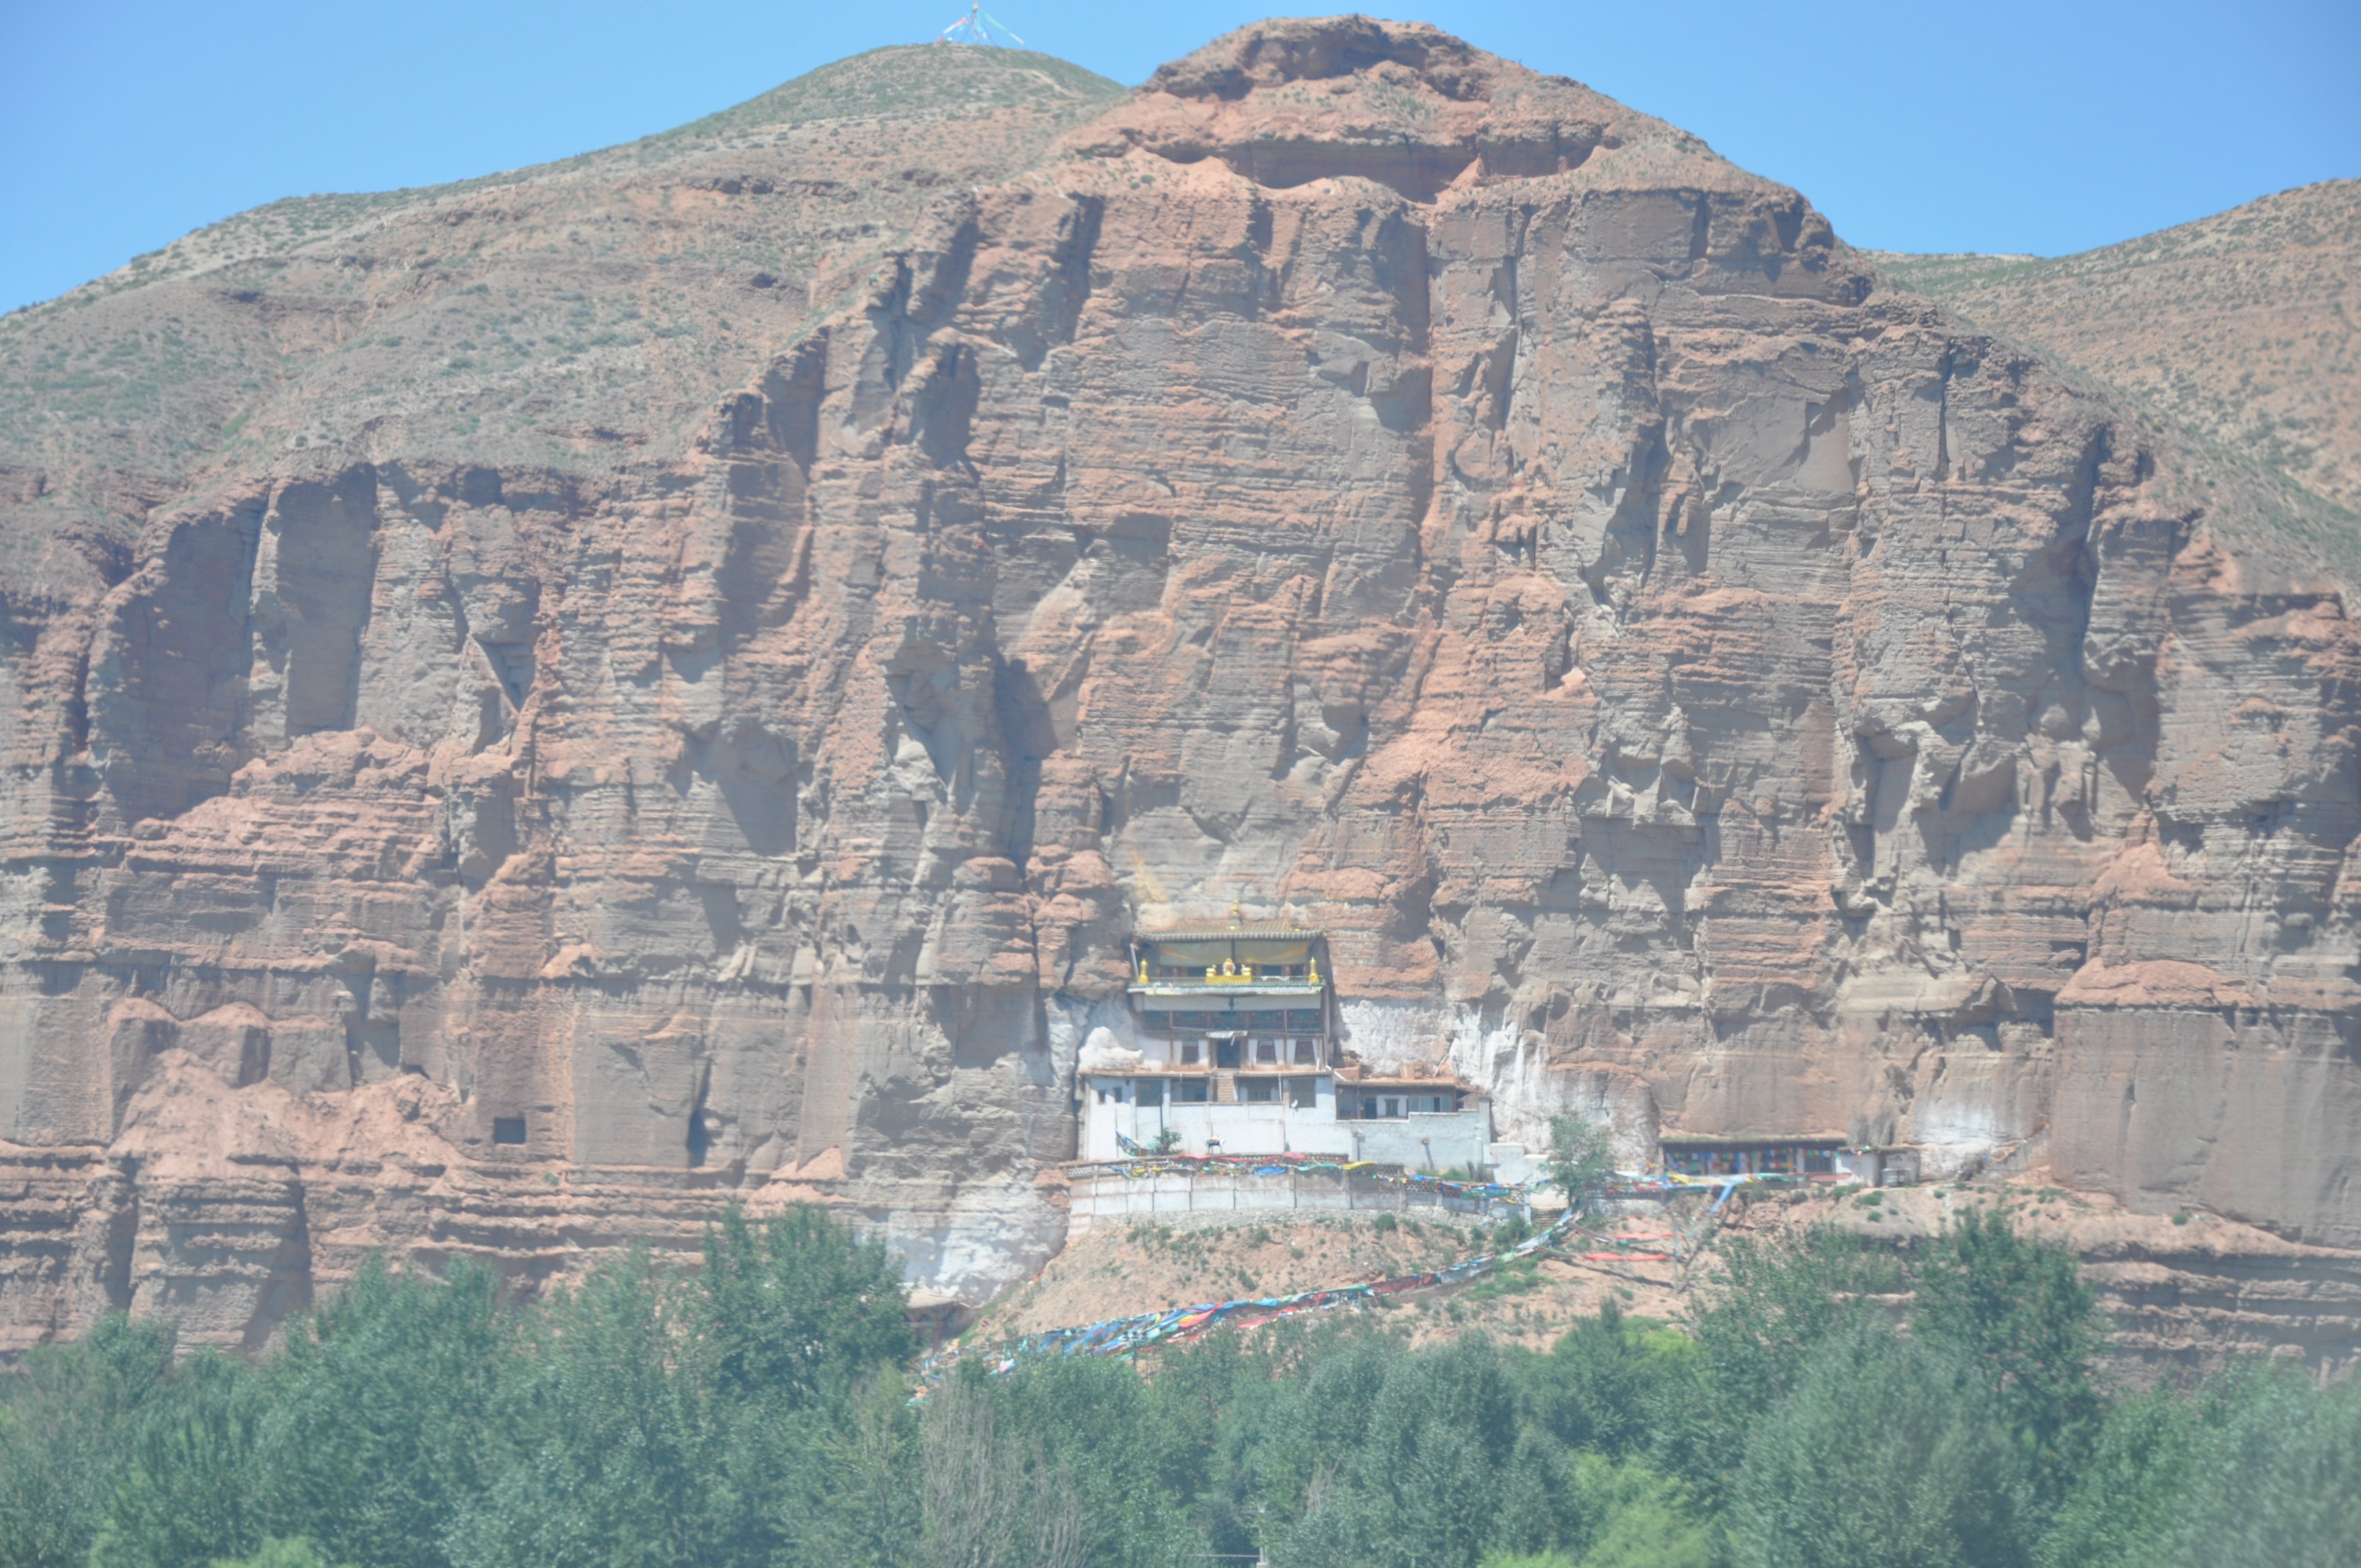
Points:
(545, 319)
(2242, 329)
(1832, 1402)
(901, 81)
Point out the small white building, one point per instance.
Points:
(1237, 1054)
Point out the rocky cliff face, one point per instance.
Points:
(677, 671)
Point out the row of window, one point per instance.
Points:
(1372, 1107)
(1302, 1093)
(1262, 971)
(1264, 1051)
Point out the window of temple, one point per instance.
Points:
(1190, 1092)
(1306, 1052)
(1256, 1090)
(1149, 1091)
(1192, 1053)
(508, 1129)
(1304, 1094)
(1267, 1051)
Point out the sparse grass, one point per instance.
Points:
(914, 80)
(2231, 333)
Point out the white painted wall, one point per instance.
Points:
(1425, 1140)
(1104, 1200)
(1276, 1128)
(1180, 1197)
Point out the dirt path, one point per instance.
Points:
(1126, 1269)
(2181, 1290)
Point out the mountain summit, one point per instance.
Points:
(542, 704)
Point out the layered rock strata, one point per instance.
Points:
(1352, 475)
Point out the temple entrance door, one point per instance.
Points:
(1226, 1052)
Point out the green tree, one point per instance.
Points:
(1220, 1399)
(991, 1496)
(1582, 1154)
(1643, 1519)
(811, 1485)
(1887, 1451)
(801, 1306)
(756, 1415)
(2260, 1466)
(65, 1426)
(1422, 1465)
(874, 1513)
(1604, 1383)
(605, 1460)
(1758, 1324)
(186, 1491)
(277, 1553)
(2133, 1491)
(1087, 1460)
(734, 1418)
(2280, 1476)
(2020, 1314)
(380, 1409)
(799, 1330)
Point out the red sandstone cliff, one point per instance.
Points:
(702, 650)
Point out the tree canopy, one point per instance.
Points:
(1829, 1400)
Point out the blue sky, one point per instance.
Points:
(2010, 126)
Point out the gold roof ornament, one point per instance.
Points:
(1272, 931)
